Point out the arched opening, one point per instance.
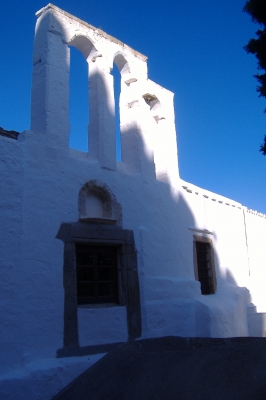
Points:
(120, 69)
(117, 89)
(81, 51)
(79, 101)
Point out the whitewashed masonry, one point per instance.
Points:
(54, 199)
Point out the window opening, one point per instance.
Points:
(96, 268)
(79, 101)
(205, 268)
(117, 89)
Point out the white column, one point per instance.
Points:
(50, 81)
(102, 133)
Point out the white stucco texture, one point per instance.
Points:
(107, 324)
(41, 178)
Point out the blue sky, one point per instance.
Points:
(195, 49)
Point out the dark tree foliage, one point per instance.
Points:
(257, 10)
(263, 146)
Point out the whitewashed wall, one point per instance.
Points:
(256, 237)
(40, 182)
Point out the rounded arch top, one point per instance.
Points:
(121, 63)
(97, 203)
(155, 106)
(84, 45)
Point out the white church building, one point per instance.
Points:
(96, 251)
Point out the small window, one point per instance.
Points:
(96, 268)
(204, 270)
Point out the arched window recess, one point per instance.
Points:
(155, 106)
(97, 204)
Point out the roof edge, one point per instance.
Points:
(97, 30)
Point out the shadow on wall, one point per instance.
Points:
(155, 210)
(256, 320)
(160, 216)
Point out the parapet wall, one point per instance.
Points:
(240, 236)
(256, 241)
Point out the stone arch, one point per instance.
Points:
(85, 46)
(97, 203)
(122, 64)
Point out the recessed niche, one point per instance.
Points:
(97, 204)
